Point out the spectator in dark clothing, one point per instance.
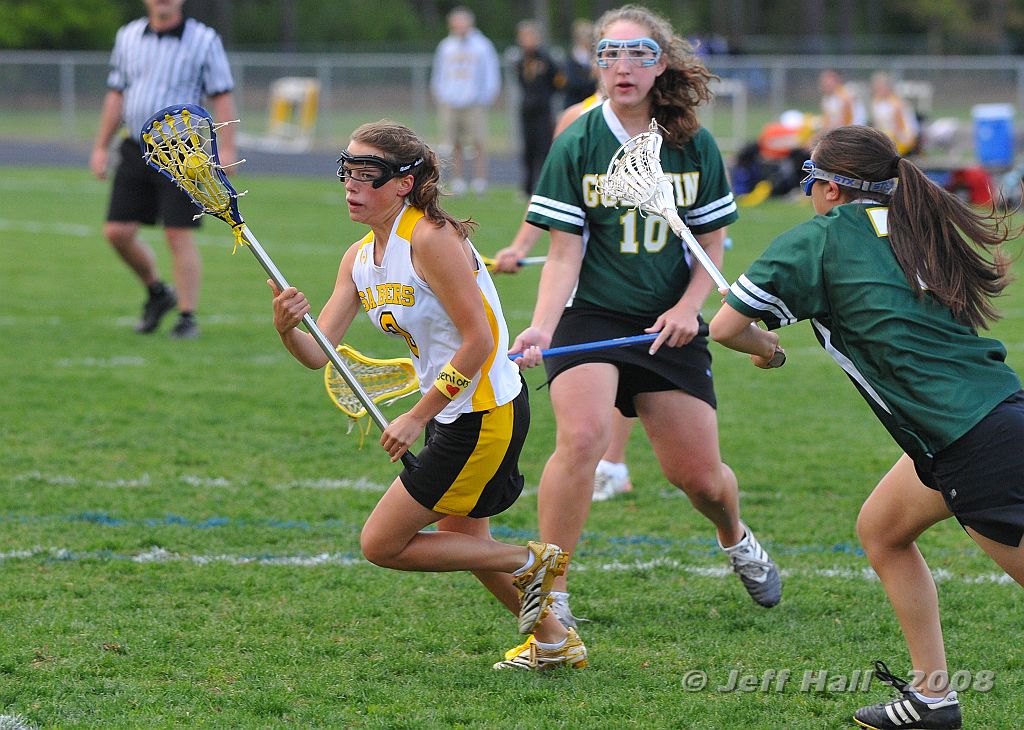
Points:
(539, 79)
(579, 64)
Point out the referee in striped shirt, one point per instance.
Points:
(162, 59)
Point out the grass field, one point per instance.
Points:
(179, 521)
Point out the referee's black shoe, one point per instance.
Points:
(186, 328)
(908, 712)
(154, 310)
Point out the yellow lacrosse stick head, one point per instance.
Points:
(382, 379)
(181, 143)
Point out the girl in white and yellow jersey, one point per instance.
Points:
(418, 277)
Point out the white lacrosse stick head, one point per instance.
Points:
(635, 177)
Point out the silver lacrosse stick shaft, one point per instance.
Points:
(681, 230)
(635, 177)
(321, 339)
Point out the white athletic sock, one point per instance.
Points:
(612, 469)
(527, 565)
(738, 546)
(928, 700)
(551, 647)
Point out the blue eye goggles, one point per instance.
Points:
(372, 169)
(885, 187)
(637, 52)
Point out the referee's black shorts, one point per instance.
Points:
(981, 474)
(686, 368)
(140, 194)
(470, 467)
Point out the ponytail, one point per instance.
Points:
(944, 247)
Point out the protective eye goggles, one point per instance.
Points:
(637, 52)
(885, 187)
(372, 169)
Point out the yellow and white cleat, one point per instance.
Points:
(530, 657)
(534, 586)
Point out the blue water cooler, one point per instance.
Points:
(993, 134)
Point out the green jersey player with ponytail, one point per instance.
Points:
(896, 276)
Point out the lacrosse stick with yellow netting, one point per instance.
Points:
(181, 142)
(381, 380)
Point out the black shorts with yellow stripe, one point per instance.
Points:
(470, 466)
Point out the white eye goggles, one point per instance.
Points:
(885, 187)
(637, 52)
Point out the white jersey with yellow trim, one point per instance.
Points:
(401, 304)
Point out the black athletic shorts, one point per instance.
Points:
(981, 474)
(142, 195)
(471, 466)
(686, 368)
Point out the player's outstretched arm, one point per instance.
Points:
(741, 333)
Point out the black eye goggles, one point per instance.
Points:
(372, 169)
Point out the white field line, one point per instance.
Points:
(144, 481)
(102, 190)
(52, 187)
(118, 361)
(223, 241)
(15, 722)
(135, 361)
(9, 320)
(218, 318)
(233, 320)
(77, 230)
(160, 555)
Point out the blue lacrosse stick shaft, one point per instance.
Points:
(605, 344)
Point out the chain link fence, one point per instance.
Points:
(56, 97)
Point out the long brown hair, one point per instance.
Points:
(685, 83)
(939, 241)
(401, 145)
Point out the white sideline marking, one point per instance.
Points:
(144, 480)
(228, 319)
(81, 230)
(14, 321)
(122, 361)
(50, 187)
(134, 361)
(161, 555)
(15, 722)
(940, 575)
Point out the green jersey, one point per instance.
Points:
(632, 263)
(928, 378)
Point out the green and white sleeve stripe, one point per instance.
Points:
(702, 216)
(554, 213)
(771, 308)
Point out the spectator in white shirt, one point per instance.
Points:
(465, 81)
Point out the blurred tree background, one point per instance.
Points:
(741, 26)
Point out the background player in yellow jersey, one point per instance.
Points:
(419, 278)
